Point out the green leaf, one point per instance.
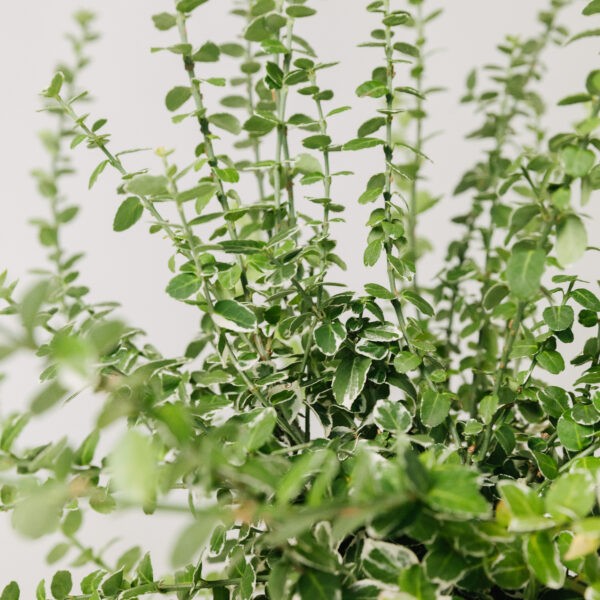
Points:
(592, 8)
(85, 453)
(57, 552)
(164, 21)
(96, 173)
(145, 570)
(435, 407)
(318, 585)
(551, 361)
(300, 11)
(592, 83)
(572, 435)
(314, 142)
(188, 5)
(547, 465)
(571, 497)
(362, 143)
(543, 559)
(370, 195)
(407, 49)
(586, 299)
(526, 507)
(61, 585)
(128, 214)
(574, 99)
(383, 561)
(372, 89)
(32, 303)
(378, 291)
(228, 175)
(455, 491)
(329, 337)
(488, 407)
(371, 349)
(11, 592)
(202, 193)
(577, 161)
(307, 164)
(113, 584)
(405, 361)
(72, 522)
(372, 252)
(559, 318)
(234, 316)
(208, 52)
(585, 414)
(247, 582)
(370, 126)
(183, 286)
(226, 121)
(258, 126)
(258, 427)
(524, 272)
(419, 302)
(444, 564)
(55, 86)
(177, 97)
(193, 538)
(134, 467)
(414, 582)
(349, 379)
(521, 217)
(508, 570)
(571, 240)
(585, 34)
(391, 416)
(148, 185)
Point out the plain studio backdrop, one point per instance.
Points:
(128, 85)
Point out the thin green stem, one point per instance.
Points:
(513, 330)
(281, 148)
(412, 213)
(208, 145)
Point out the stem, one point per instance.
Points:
(282, 147)
(324, 233)
(250, 93)
(118, 165)
(412, 214)
(513, 330)
(388, 152)
(208, 145)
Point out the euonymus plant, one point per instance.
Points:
(415, 439)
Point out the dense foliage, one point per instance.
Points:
(414, 439)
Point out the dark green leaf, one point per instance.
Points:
(128, 214)
(61, 585)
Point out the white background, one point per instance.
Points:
(129, 85)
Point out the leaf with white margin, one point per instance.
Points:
(349, 379)
(382, 561)
(391, 416)
(329, 337)
(543, 559)
(232, 315)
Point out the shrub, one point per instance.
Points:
(407, 440)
